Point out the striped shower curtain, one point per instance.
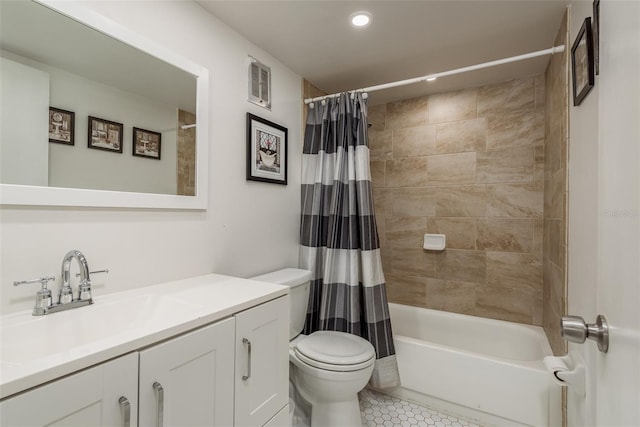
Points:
(338, 235)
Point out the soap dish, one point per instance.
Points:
(434, 242)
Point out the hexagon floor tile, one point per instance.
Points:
(380, 410)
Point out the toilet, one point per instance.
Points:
(327, 368)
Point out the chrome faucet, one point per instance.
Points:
(84, 287)
(45, 305)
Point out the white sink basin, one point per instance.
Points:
(26, 338)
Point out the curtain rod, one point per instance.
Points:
(550, 51)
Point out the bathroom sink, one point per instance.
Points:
(27, 338)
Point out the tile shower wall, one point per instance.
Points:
(555, 196)
(468, 164)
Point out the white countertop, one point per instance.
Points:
(37, 349)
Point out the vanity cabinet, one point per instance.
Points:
(231, 372)
(187, 381)
(87, 398)
(262, 363)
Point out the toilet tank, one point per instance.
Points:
(299, 282)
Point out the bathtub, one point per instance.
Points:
(488, 371)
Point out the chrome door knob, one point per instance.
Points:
(574, 329)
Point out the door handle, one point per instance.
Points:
(574, 329)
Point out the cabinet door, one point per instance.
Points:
(193, 377)
(88, 398)
(262, 362)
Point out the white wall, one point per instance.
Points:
(583, 218)
(249, 227)
(24, 155)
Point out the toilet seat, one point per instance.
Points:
(335, 351)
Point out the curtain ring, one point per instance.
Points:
(312, 105)
(323, 102)
(365, 95)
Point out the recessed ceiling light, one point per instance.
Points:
(361, 19)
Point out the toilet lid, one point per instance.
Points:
(332, 350)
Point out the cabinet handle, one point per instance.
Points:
(125, 411)
(248, 344)
(159, 392)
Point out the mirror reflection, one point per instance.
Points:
(83, 110)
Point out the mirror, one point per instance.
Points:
(96, 115)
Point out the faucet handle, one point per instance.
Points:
(105, 271)
(43, 296)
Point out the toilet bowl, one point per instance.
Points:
(327, 368)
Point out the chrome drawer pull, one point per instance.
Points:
(159, 392)
(248, 344)
(125, 411)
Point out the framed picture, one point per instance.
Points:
(596, 35)
(582, 63)
(266, 151)
(62, 126)
(146, 143)
(105, 134)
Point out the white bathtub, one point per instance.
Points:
(487, 370)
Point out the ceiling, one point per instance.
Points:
(405, 39)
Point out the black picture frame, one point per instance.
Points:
(147, 143)
(596, 36)
(105, 135)
(62, 125)
(582, 66)
(267, 147)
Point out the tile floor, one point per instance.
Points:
(380, 410)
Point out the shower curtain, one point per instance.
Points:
(338, 236)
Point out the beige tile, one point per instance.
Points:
(466, 135)
(555, 195)
(380, 145)
(407, 172)
(514, 270)
(504, 97)
(377, 173)
(510, 235)
(539, 85)
(452, 106)
(537, 314)
(553, 287)
(414, 142)
(538, 232)
(460, 232)
(554, 240)
(386, 254)
(538, 163)
(460, 201)
(405, 232)
(376, 117)
(449, 295)
(381, 226)
(466, 266)
(525, 128)
(383, 202)
(414, 262)
(413, 202)
(553, 150)
(408, 290)
(495, 302)
(457, 168)
(407, 113)
(505, 165)
(515, 200)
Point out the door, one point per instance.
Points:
(262, 362)
(93, 397)
(612, 395)
(188, 380)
